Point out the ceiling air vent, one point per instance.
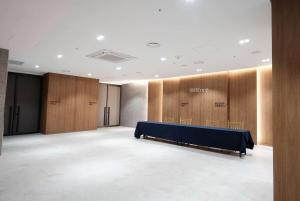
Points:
(15, 62)
(110, 56)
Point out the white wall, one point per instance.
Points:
(134, 103)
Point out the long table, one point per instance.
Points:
(222, 138)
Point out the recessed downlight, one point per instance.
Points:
(198, 62)
(244, 41)
(100, 37)
(266, 60)
(90, 74)
(153, 44)
(119, 68)
(156, 76)
(163, 59)
(199, 70)
(37, 66)
(189, 1)
(60, 56)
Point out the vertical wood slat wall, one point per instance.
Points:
(286, 99)
(170, 99)
(237, 90)
(155, 92)
(69, 103)
(243, 99)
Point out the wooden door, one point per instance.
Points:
(93, 94)
(54, 115)
(60, 103)
(67, 102)
(86, 115)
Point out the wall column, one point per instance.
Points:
(286, 99)
(3, 78)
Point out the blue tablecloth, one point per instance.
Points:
(223, 138)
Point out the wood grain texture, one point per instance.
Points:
(86, 115)
(59, 103)
(286, 99)
(155, 93)
(201, 107)
(264, 107)
(171, 99)
(64, 99)
(243, 99)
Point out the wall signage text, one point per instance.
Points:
(198, 90)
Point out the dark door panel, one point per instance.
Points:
(22, 107)
(9, 104)
(27, 104)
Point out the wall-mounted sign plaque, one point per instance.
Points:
(219, 104)
(198, 90)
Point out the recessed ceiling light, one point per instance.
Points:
(265, 60)
(156, 76)
(199, 62)
(163, 59)
(60, 56)
(153, 45)
(100, 37)
(256, 52)
(37, 66)
(90, 74)
(199, 70)
(178, 57)
(190, 1)
(118, 68)
(244, 41)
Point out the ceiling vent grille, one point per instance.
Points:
(110, 56)
(15, 62)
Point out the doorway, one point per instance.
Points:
(22, 104)
(109, 111)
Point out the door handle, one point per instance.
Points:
(10, 120)
(18, 118)
(108, 116)
(105, 108)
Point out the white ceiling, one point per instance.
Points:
(36, 31)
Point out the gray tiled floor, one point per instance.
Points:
(110, 165)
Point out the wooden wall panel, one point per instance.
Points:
(155, 92)
(69, 103)
(58, 104)
(236, 91)
(264, 107)
(201, 107)
(243, 99)
(286, 99)
(171, 99)
(86, 115)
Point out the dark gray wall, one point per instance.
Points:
(3, 78)
(134, 103)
